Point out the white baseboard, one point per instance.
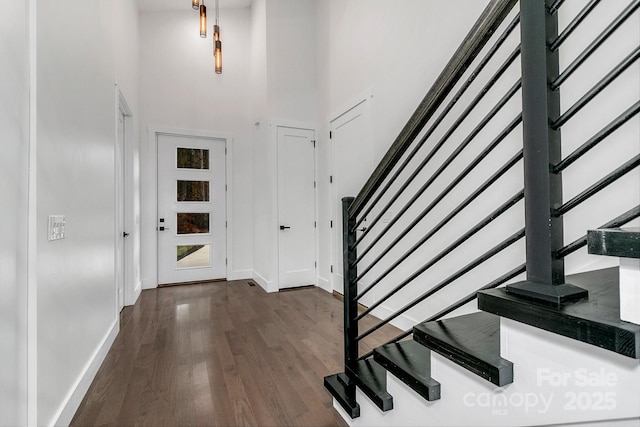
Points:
(148, 284)
(76, 394)
(324, 284)
(240, 275)
(264, 283)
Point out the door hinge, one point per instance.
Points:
(226, 261)
(331, 223)
(315, 224)
(313, 141)
(314, 184)
(332, 268)
(225, 187)
(330, 179)
(315, 264)
(225, 151)
(330, 134)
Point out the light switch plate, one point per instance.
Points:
(56, 227)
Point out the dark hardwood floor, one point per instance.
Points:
(222, 354)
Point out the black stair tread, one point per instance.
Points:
(472, 341)
(411, 363)
(344, 394)
(620, 242)
(594, 321)
(371, 378)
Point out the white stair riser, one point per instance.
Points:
(630, 290)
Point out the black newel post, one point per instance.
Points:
(350, 286)
(542, 150)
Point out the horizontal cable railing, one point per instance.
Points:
(599, 87)
(510, 275)
(599, 137)
(455, 211)
(609, 132)
(471, 194)
(439, 172)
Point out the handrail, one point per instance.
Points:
(489, 21)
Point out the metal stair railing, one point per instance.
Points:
(435, 174)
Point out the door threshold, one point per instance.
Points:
(296, 288)
(196, 282)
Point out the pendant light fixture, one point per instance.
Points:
(203, 20)
(217, 43)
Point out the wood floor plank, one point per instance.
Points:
(222, 354)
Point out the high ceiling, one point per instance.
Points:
(148, 5)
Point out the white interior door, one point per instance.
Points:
(120, 230)
(296, 208)
(352, 165)
(192, 244)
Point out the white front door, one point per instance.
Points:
(296, 208)
(192, 244)
(352, 165)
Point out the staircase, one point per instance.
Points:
(479, 253)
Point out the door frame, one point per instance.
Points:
(153, 133)
(315, 196)
(123, 200)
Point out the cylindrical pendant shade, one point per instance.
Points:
(218, 57)
(203, 20)
(195, 4)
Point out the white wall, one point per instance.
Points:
(75, 113)
(14, 162)
(179, 90)
(76, 99)
(284, 81)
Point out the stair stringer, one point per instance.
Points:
(468, 400)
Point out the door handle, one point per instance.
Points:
(125, 234)
(363, 229)
(284, 227)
